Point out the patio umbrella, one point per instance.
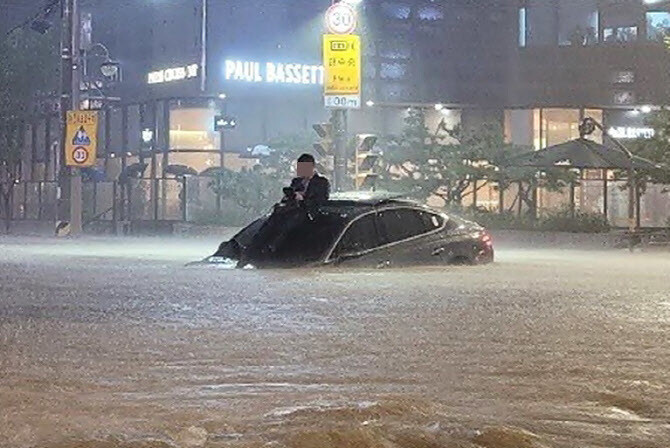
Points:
(583, 154)
(93, 174)
(180, 170)
(136, 170)
(213, 171)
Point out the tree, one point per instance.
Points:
(656, 149)
(255, 190)
(453, 163)
(10, 162)
(29, 67)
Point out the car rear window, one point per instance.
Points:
(402, 223)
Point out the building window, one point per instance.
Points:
(396, 10)
(623, 77)
(623, 97)
(577, 23)
(392, 71)
(658, 24)
(193, 128)
(540, 23)
(522, 26)
(395, 49)
(394, 92)
(620, 21)
(430, 13)
(560, 125)
(620, 34)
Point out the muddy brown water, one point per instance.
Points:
(110, 343)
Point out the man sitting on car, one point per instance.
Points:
(307, 190)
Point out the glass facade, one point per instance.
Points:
(541, 23)
(588, 22)
(658, 25)
(577, 22)
(192, 128)
(523, 12)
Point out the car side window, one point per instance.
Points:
(360, 236)
(309, 239)
(403, 223)
(431, 221)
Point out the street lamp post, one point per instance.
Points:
(69, 178)
(203, 45)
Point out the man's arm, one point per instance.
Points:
(319, 190)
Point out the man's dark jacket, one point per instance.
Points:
(318, 189)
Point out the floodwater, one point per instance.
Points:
(109, 343)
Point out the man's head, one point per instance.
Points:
(306, 165)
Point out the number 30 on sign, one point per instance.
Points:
(341, 19)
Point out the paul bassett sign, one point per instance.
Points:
(273, 72)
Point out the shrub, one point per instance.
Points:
(581, 222)
(554, 221)
(232, 215)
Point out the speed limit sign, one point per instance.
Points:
(80, 155)
(341, 19)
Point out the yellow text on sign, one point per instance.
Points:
(342, 64)
(81, 138)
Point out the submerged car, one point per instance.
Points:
(367, 231)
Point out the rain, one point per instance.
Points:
(334, 223)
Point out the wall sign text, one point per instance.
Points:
(273, 73)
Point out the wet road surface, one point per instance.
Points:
(109, 343)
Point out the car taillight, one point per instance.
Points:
(486, 239)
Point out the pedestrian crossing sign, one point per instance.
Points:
(82, 141)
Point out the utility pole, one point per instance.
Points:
(203, 46)
(69, 178)
(339, 121)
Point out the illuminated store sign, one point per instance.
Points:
(624, 132)
(273, 73)
(173, 74)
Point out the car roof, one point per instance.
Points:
(368, 199)
(357, 203)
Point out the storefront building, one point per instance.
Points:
(535, 66)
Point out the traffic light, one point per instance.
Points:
(324, 147)
(366, 160)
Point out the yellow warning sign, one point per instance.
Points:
(81, 138)
(342, 64)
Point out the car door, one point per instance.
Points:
(359, 244)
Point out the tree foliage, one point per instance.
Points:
(28, 67)
(656, 149)
(255, 190)
(448, 162)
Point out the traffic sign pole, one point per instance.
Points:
(342, 81)
(70, 195)
(76, 199)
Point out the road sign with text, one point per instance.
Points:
(342, 65)
(81, 138)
